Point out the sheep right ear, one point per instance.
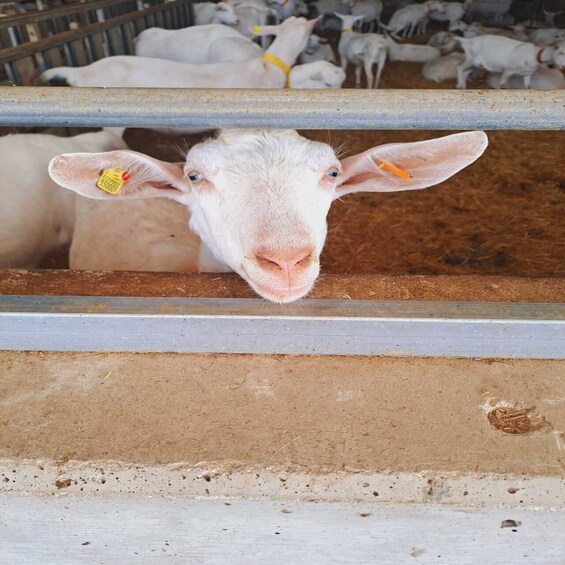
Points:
(410, 166)
(118, 175)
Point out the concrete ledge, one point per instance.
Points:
(216, 532)
(231, 480)
(323, 414)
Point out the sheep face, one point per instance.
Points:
(258, 199)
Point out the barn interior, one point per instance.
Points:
(114, 453)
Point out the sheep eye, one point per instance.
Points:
(194, 176)
(332, 173)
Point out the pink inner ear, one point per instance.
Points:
(360, 177)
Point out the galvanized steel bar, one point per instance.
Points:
(71, 9)
(305, 109)
(321, 327)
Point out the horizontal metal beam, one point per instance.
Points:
(27, 49)
(321, 327)
(304, 109)
(52, 13)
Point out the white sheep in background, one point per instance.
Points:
(284, 183)
(543, 79)
(327, 9)
(550, 17)
(319, 74)
(371, 11)
(210, 13)
(363, 50)
(493, 11)
(317, 49)
(459, 25)
(143, 72)
(250, 17)
(187, 45)
(406, 20)
(507, 56)
(411, 53)
(231, 49)
(323, 7)
(547, 36)
(454, 11)
(313, 74)
(475, 29)
(283, 8)
(444, 41)
(37, 216)
(443, 68)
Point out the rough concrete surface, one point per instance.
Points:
(329, 413)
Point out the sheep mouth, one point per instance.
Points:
(281, 295)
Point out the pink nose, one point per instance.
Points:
(289, 261)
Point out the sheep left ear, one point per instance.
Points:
(410, 166)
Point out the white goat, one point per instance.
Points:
(444, 41)
(443, 68)
(319, 74)
(408, 19)
(257, 199)
(251, 17)
(371, 11)
(487, 9)
(36, 215)
(454, 11)
(543, 79)
(475, 29)
(326, 9)
(550, 17)
(228, 49)
(411, 53)
(283, 8)
(507, 56)
(187, 45)
(210, 13)
(314, 74)
(317, 49)
(547, 36)
(269, 71)
(362, 50)
(323, 7)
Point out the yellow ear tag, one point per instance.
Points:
(394, 170)
(255, 30)
(112, 180)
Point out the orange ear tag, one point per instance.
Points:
(112, 180)
(394, 170)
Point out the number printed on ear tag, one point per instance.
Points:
(112, 180)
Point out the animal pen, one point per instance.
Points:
(388, 418)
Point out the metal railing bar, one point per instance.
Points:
(25, 50)
(303, 109)
(72, 9)
(397, 328)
